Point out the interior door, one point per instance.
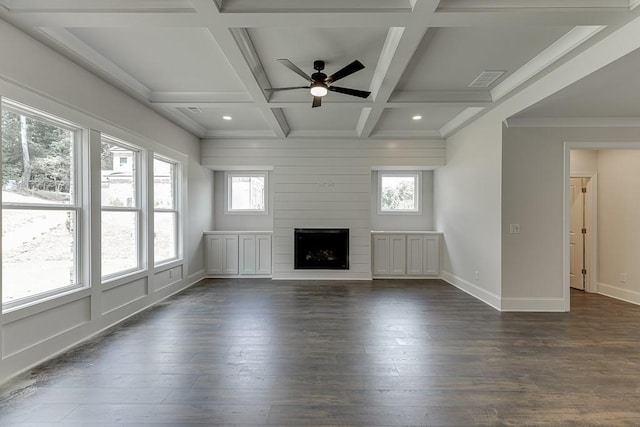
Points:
(576, 240)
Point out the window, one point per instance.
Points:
(165, 223)
(399, 192)
(246, 192)
(41, 205)
(121, 231)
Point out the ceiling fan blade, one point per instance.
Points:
(290, 65)
(317, 102)
(344, 72)
(352, 92)
(277, 89)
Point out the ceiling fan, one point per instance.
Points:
(320, 84)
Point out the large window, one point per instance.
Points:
(398, 192)
(121, 231)
(41, 204)
(165, 221)
(246, 192)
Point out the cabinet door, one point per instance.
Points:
(263, 254)
(415, 255)
(230, 254)
(398, 260)
(431, 255)
(215, 256)
(381, 255)
(247, 254)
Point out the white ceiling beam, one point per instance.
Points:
(102, 5)
(460, 120)
(554, 52)
(239, 51)
(530, 4)
(400, 46)
(441, 97)
(185, 99)
(529, 18)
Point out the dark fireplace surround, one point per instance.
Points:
(321, 249)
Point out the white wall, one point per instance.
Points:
(467, 209)
(240, 222)
(35, 75)
(583, 163)
(532, 262)
(400, 222)
(618, 231)
(319, 183)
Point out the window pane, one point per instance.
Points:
(38, 248)
(118, 176)
(119, 242)
(36, 161)
(165, 231)
(163, 184)
(398, 193)
(247, 193)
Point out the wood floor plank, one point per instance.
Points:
(380, 353)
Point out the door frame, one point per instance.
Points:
(591, 240)
(566, 211)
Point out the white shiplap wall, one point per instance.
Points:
(322, 184)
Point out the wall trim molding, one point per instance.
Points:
(616, 292)
(483, 295)
(18, 363)
(555, 304)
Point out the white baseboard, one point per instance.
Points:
(196, 277)
(533, 304)
(626, 295)
(483, 295)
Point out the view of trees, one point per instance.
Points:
(398, 193)
(36, 156)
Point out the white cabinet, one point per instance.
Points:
(238, 254)
(222, 253)
(406, 254)
(423, 255)
(389, 255)
(255, 253)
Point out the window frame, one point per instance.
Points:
(176, 210)
(417, 176)
(228, 176)
(76, 205)
(138, 209)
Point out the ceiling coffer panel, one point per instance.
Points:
(165, 59)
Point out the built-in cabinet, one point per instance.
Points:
(238, 254)
(410, 254)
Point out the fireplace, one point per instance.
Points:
(321, 249)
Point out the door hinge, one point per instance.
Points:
(584, 271)
(584, 231)
(584, 190)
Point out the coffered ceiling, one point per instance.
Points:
(195, 61)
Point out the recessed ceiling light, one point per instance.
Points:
(226, 117)
(417, 117)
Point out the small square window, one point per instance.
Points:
(399, 192)
(246, 192)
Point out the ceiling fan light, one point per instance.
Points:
(318, 89)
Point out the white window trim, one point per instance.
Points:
(138, 209)
(227, 193)
(177, 208)
(417, 175)
(77, 205)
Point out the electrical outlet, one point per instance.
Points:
(514, 228)
(476, 274)
(623, 278)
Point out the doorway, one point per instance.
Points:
(579, 233)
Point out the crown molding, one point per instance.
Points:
(569, 122)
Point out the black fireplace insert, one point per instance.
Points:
(321, 249)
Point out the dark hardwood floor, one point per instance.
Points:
(381, 353)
